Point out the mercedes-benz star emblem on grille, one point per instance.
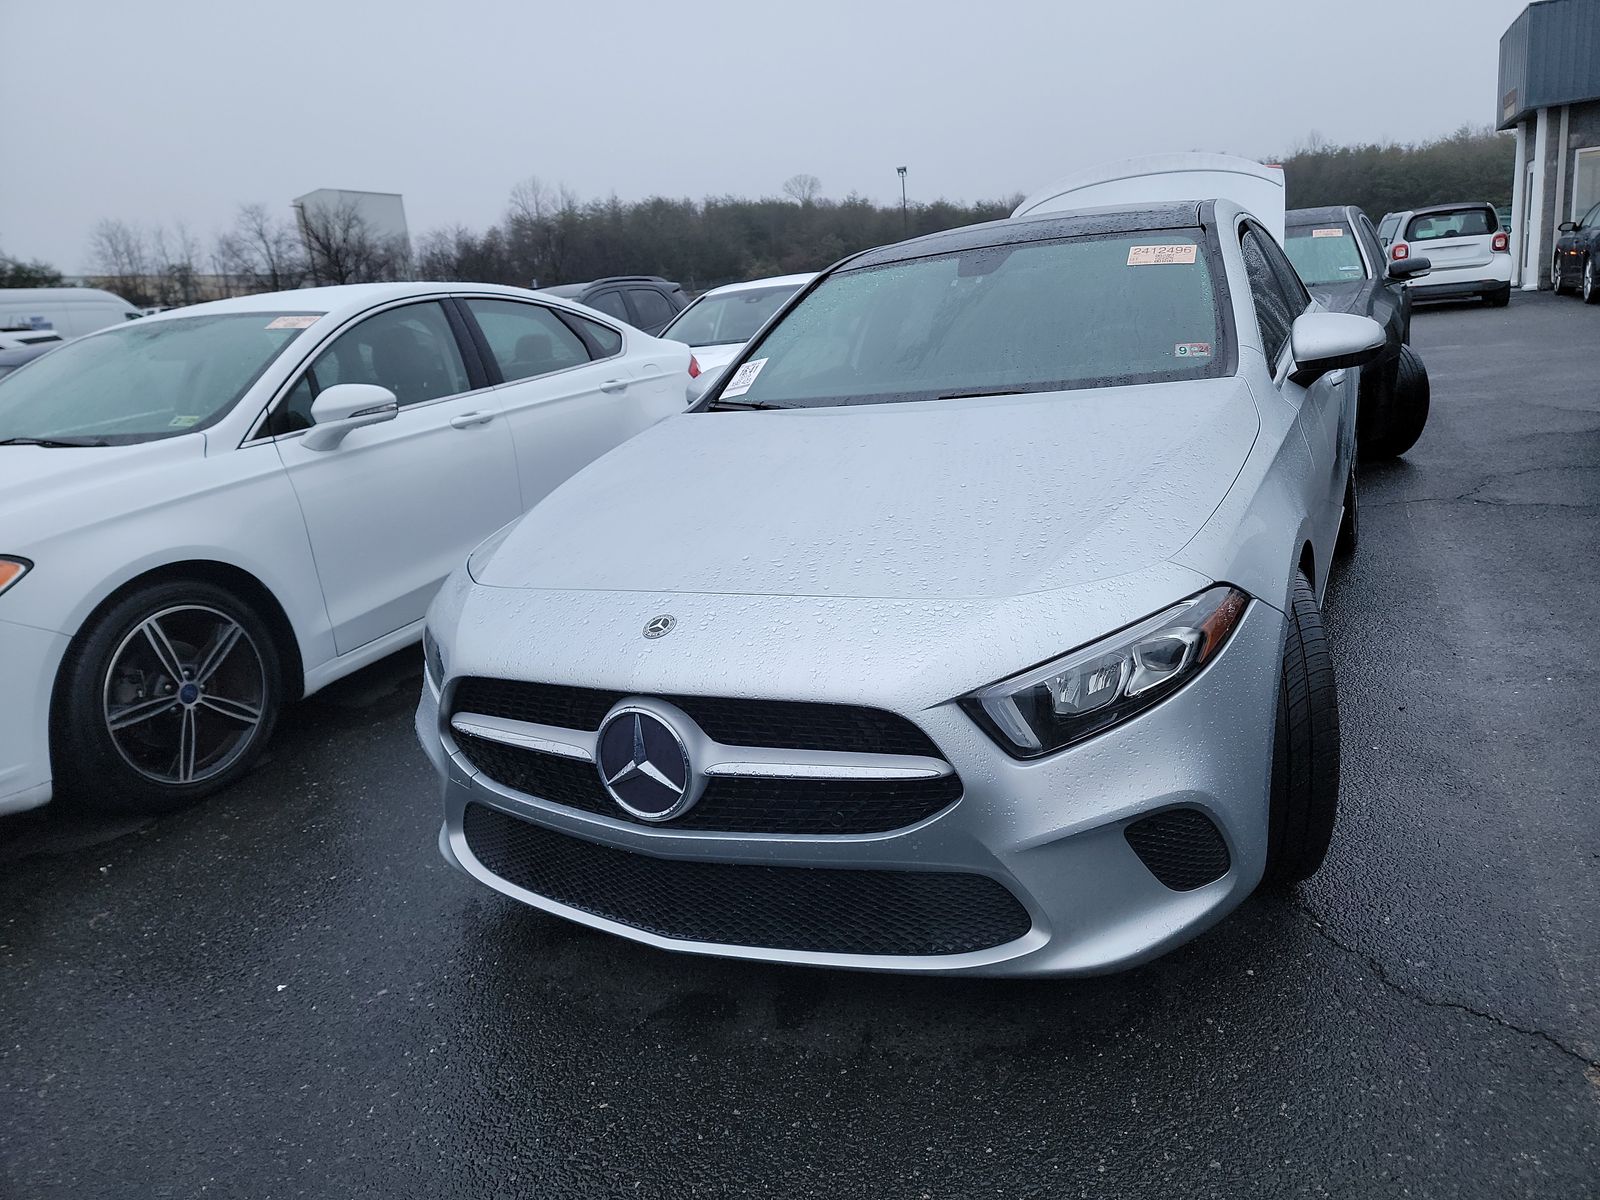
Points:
(659, 626)
(644, 765)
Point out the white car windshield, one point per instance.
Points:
(1036, 316)
(143, 381)
(728, 318)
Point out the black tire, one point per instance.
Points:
(1558, 282)
(1591, 282)
(1350, 526)
(114, 670)
(1305, 747)
(1397, 424)
(1498, 298)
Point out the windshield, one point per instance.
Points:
(728, 317)
(1476, 221)
(144, 381)
(1037, 316)
(1324, 254)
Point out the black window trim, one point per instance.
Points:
(1247, 223)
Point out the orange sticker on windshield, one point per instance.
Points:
(1149, 256)
(1327, 233)
(305, 322)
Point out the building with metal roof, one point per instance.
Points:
(1550, 94)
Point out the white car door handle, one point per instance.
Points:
(614, 385)
(471, 418)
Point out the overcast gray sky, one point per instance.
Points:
(180, 110)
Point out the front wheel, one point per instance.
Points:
(1591, 285)
(1400, 420)
(165, 697)
(1558, 283)
(1305, 747)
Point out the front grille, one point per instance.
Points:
(1181, 847)
(729, 805)
(822, 909)
(781, 724)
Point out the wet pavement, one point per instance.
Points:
(284, 992)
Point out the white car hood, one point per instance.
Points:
(950, 499)
(45, 487)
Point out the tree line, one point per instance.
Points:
(548, 235)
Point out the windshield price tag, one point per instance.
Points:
(744, 377)
(305, 322)
(1149, 256)
(1316, 233)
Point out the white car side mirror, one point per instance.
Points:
(1325, 341)
(344, 407)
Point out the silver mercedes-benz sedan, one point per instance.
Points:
(969, 624)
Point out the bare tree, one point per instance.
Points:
(262, 252)
(121, 260)
(173, 274)
(342, 247)
(802, 189)
(537, 223)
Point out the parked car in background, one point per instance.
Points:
(71, 312)
(646, 302)
(211, 511)
(1576, 261)
(20, 346)
(1470, 253)
(969, 624)
(1337, 255)
(722, 320)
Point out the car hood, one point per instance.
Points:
(44, 486)
(985, 497)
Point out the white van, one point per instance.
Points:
(70, 311)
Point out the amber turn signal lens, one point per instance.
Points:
(11, 570)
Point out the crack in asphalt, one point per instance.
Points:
(1502, 477)
(1591, 1066)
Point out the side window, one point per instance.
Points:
(525, 339)
(410, 350)
(1386, 230)
(611, 304)
(654, 309)
(1590, 218)
(1273, 309)
(606, 339)
(1294, 288)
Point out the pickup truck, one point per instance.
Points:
(1336, 252)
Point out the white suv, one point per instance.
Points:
(1470, 253)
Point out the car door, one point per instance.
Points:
(568, 389)
(397, 506)
(1325, 410)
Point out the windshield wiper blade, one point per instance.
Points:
(994, 391)
(31, 441)
(715, 405)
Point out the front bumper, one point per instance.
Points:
(1049, 830)
(30, 657)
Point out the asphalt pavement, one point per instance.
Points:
(284, 992)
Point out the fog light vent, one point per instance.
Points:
(1181, 847)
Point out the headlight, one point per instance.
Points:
(479, 558)
(12, 569)
(432, 660)
(1106, 682)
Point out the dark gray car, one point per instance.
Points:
(647, 302)
(1337, 254)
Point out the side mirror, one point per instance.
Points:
(1325, 341)
(1567, 226)
(345, 407)
(1405, 268)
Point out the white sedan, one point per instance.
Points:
(208, 512)
(718, 324)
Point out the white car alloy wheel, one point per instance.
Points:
(1591, 288)
(1557, 284)
(184, 695)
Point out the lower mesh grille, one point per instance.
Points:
(729, 805)
(1181, 847)
(827, 910)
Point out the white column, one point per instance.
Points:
(1541, 156)
(1519, 202)
(1561, 174)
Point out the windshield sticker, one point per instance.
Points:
(1327, 233)
(1147, 256)
(292, 322)
(744, 377)
(182, 422)
(1192, 349)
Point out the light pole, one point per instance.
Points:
(905, 218)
